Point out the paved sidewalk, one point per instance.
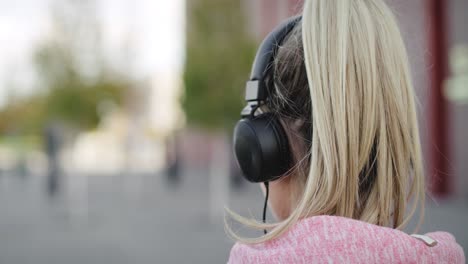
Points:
(141, 221)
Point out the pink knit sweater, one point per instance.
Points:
(332, 239)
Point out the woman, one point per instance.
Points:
(330, 129)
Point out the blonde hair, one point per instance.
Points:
(364, 156)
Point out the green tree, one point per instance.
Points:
(219, 57)
(74, 77)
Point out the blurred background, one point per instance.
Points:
(116, 120)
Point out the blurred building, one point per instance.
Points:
(265, 14)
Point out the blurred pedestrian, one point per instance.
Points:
(173, 159)
(52, 139)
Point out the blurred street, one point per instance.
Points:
(142, 223)
(137, 221)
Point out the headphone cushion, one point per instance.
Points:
(261, 148)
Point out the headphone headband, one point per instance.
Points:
(256, 89)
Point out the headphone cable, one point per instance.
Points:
(267, 187)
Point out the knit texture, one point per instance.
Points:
(332, 239)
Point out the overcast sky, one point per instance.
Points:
(156, 27)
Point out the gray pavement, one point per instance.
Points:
(148, 222)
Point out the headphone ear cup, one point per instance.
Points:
(261, 148)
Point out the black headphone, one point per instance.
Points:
(260, 144)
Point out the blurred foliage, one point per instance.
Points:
(220, 53)
(73, 77)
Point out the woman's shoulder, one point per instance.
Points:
(446, 249)
(322, 239)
